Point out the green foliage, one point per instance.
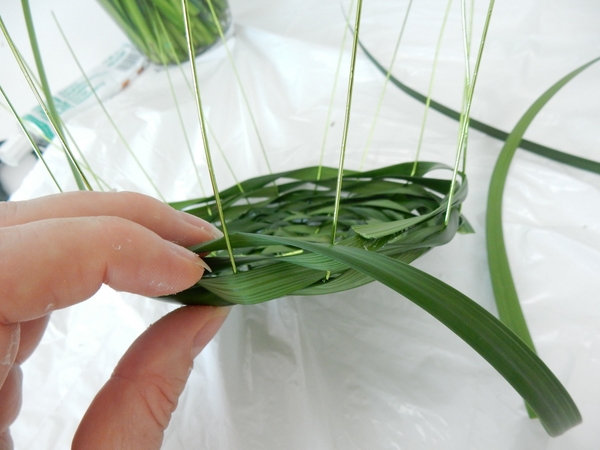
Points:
(505, 292)
(385, 210)
(533, 147)
(281, 241)
(157, 27)
(281, 225)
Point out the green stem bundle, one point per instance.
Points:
(140, 20)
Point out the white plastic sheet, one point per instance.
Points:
(363, 369)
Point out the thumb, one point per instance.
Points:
(134, 407)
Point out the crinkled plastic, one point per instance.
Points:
(363, 369)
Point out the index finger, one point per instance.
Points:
(175, 226)
(54, 263)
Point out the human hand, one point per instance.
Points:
(57, 251)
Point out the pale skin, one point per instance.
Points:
(57, 251)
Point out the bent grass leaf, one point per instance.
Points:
(494, 341)
(533, 147)
(503, 285)
(313, 268)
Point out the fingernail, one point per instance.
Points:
(208, 331)
(197, 222)
(190, 256)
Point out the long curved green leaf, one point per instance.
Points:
(533, 147)
(505, 292)
(495, 342)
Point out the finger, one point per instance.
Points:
(175, 226)
(6, 442)
(10, 398)
(134, 407)
(31, 334)
(17, 341)
(10, 335)
(54, 263)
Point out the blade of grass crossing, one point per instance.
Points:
(333, 91)
(489, 337)
(336, 211)
(464, 131)
(431, 82)
(385, 84)
(533, 147)
(162, 33)
(170, 45)
(213, 181)
(239, 82)
(49, 108)
(35, 147)
(106, 113)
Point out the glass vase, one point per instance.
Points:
(157, 27)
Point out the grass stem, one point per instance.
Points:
(53, 117)
(385, 84)
(464, 131)
(211, 171)
(438, 47)
(240, 84)
(109, 117)
(336, 210)
(34, 145)
(336, 77)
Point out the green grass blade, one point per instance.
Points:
(116, 11)
(374, 231)
(105, 111)
(385, 85)
(470, 88)
(507, 300)
(533, 147)
(213, 181)
(240, 84)
(161, 32)
(438, 47)
(34, 145)
(177, 62)
(48, 108)
(336, 77)
(346, 119)
(494, 341)
(283, 246)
